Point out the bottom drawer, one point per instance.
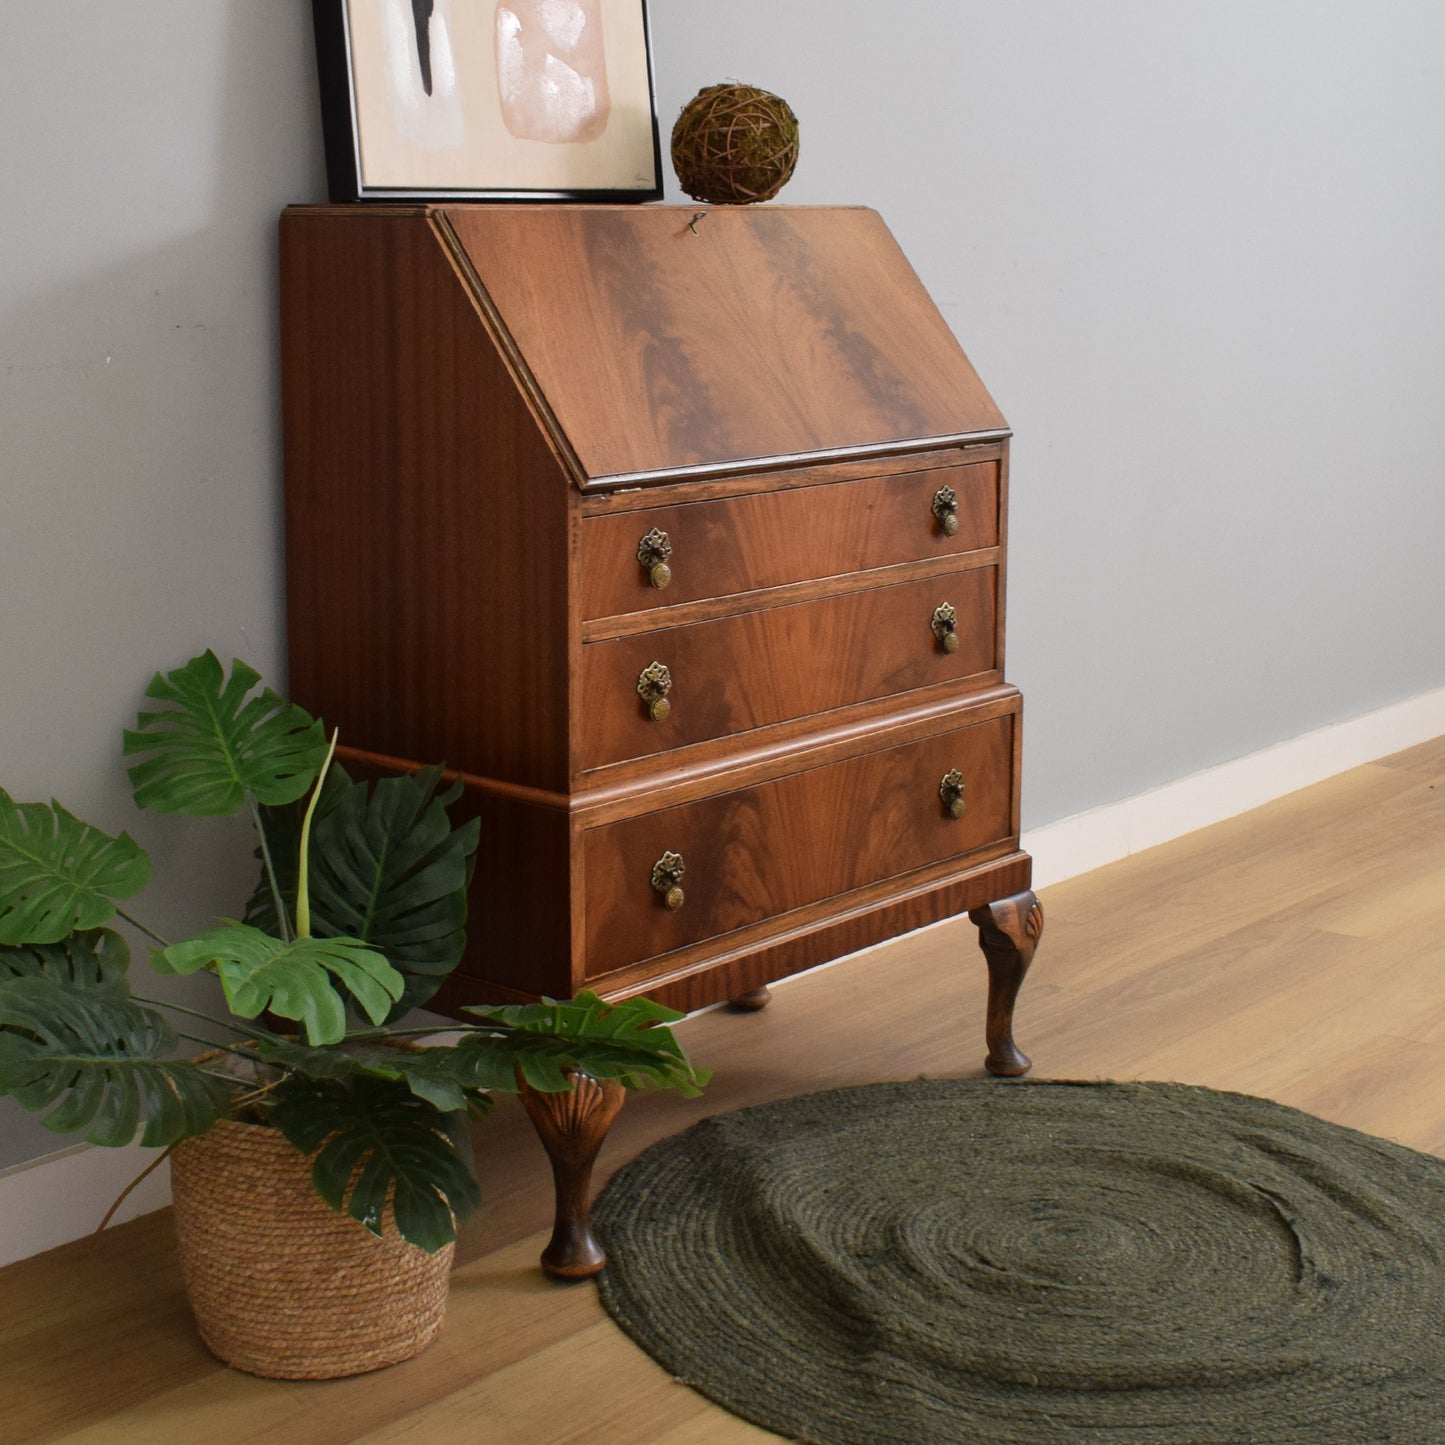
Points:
(760, 851)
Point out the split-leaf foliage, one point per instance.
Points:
(381, 1112)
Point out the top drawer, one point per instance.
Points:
(769, 539)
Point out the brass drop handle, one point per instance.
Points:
(652, 554)
(653, 685)
(667, 877)
(951, 791)
(945, 626)
(945, 508)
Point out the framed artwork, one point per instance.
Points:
(487, 99)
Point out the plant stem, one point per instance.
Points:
(362, 1036)
(125, 1193)
(303, 891)
(248, 1054)
(206, 1018)
(256, 1096)
(283, 922)
(230, 1079)
(197, 1039)
(140, 927)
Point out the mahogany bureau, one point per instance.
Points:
(679, 533)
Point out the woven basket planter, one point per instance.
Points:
(282, 1286)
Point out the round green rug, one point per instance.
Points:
(1012, 1264)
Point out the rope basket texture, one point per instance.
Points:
(734, 144)
(281, 1285)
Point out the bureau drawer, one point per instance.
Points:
(733, 674)
(769, 539)
(761, 851)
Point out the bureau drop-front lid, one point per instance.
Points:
(655, 343)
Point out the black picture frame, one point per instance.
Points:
(369, 157)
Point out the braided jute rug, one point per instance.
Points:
(1014, 1264)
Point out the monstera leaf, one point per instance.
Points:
(214, 744)
(92, 962)
(58, 874)
(386, 868)
(431, 1074)
(292, 980)
(539, 1044)
(543, 1041)
(98, 1058)
(374, 1141)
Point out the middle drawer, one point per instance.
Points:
(654, 691)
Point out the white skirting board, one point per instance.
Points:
(64, 1196)
(1104, 835)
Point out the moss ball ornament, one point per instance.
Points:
(734, 143)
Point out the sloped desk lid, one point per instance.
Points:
(750, 335)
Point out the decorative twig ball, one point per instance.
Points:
(734, 143)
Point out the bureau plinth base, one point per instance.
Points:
(1008, 932)
(572, 1126)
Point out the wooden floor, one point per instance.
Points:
(1296, 952)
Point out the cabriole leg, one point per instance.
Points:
(572, 1126)
(1008, 933)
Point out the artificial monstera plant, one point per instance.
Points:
(358, 917)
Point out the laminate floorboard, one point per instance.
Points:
(1297, 951)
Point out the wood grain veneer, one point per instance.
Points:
(485, 409)
(754, 853)
(770, 539)
(776, 331)
(745, 671)
(782, 473)
(426, 588)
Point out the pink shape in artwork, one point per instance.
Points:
(552, 69)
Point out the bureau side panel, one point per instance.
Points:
(519, 942)
(427, 518)
(1001, 617)
(518, 934)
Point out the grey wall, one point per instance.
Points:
(1193, 248)
(1197, 252)
(147, 149)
